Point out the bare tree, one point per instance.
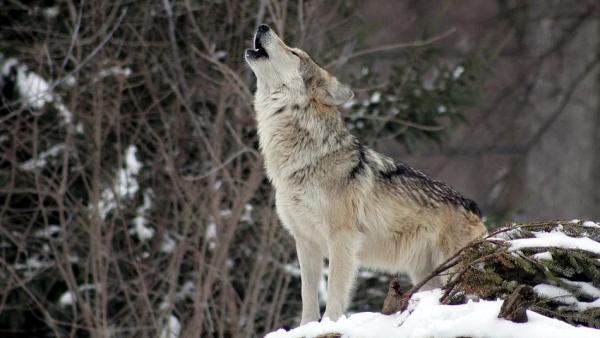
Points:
(133, 196)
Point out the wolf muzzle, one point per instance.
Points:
(260, 38)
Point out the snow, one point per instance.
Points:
(114, 70)
(64, 112)
(366, 274)
(172, 328)
(247, 215)
(41, 160)
(590, 224)
(555, 239)
(67, 298)
(426, 318)
(8, 65)
(34, 90)
(225, 212)
(221, 55)
(583, 287)
(131, 161)
(323, 288)
(582, 306)
(142, 231)
(69, 81)
(48, 231)
(168, 244)
(126, 184)
(457, 72)
(563, 296)
(211, 231)
(292, 269)
(51, 12)
(107, 203)
(556, 293)
(35, 263)
(376, 97)
(210, 236)
(187, 290)
(349, 104)
(546, 255)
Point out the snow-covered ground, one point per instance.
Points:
(427, 318)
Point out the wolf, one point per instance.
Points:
(339, 199)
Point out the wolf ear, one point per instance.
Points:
(335, 93)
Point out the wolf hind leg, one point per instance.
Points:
(423, 267)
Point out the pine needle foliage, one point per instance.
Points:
(490, 269)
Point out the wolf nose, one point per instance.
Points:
(262, 29)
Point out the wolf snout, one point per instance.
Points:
(262, 29)
(261, 36)
(260, 39)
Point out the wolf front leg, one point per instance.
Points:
(343, 265)
(311, 267)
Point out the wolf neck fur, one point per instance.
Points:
(295, 133)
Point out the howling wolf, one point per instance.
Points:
(338, 198)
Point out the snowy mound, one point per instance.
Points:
(426, 318)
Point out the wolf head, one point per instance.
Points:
(277, 66)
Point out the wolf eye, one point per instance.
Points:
(295, 53)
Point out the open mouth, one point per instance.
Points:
(259, 50)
